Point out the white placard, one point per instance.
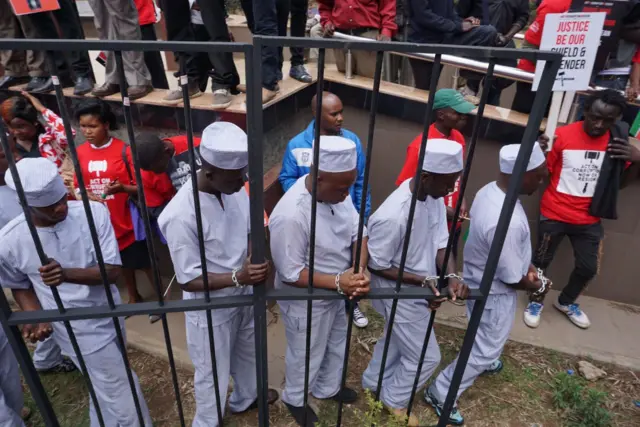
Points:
(577, 37)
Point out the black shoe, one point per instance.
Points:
(35, 83)
(63, 367)
(298, 412)
(346, 395)
(83, 86)
(46, 87)
(300, 73)
(7, 81)
(272, 397)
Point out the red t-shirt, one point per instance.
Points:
(411, 162)
(574, 164)
(533, 34)
(146, 12)
(100, 166)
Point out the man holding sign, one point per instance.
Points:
(574, 201)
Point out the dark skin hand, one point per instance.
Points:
(383, 38)
(248, 275)
(530, 283)
(53, 274)
(115, 187)
(328, 29)
(28, 301)
(621, 150)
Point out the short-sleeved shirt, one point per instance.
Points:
(515, 257)
(68, 242)
(574, 163)
(290, 228)
(387, 228)
(225, 242)
(9, 205)
(101, 166)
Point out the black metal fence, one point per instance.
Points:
(253, 55)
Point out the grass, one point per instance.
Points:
(533, 388)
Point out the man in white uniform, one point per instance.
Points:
(47, 357)
(64, 232)
(514, 272)
(226, 227)
(442, 165)
(336, 235)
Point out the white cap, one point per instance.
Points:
(224, 145)
(337, 154)
(443, 156)
(42, 184)
(509, 154)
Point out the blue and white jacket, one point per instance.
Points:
(297, 162)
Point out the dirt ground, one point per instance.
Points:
(534, 389)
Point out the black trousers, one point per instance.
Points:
(262, 19)
(298, 10)
(153, 60)
(585, 240)
(484, 35)
(70, 27)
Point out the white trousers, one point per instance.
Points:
(407, 339)
(109, 378)
(235, 358)
(11, 397)
(495, 325)
(328, 338)
(47, 355)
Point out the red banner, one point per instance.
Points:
(25, 7)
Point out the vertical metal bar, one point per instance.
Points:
(127, 118)
(435, 73)
(463, 185)
(530, 135)
(26, 364)
(348, 67)
(203, 257)
(312, 235)
(44, 259)
(253, 66)
(363, 204)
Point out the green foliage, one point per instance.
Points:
(373, 415)
(581, 405)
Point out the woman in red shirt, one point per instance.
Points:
(105, 175)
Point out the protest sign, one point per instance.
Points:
(577, 37)
(26, 7)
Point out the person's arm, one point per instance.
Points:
(28, 301)
(54, 124)
(521, 19)
(358, 186)
(53, 274)
(325, 10)
(464, 8)
(422, 13)
(388, 26)
(410, 165)
(289, 171)
(529, 282)
(509, 269)
(249, 274)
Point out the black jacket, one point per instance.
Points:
(503, 14)
(431, 20)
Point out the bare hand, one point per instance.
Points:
(467, 26)
(464, 210)
(52, 274)
(632, 92)
(354, 284)
(502, 40)
(38, 332)
(93, 197)
(622, 150)
(543, 140)
(383, 38)
(473, 20)
(34, 101)
(252, 274)
(328, 29)
(114, 187)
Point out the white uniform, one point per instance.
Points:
(225, 239)
(69, 242)
(499, 313)
(336, 230)
(11, 397)
(387, 227)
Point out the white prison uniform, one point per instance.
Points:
(11, 397)
(387, 227)
(499, 313)
(69, 242)
(225, 232)
(47, 353)
(336, 230)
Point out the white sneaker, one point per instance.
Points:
(532, 314)
(574, 313)
(469, 95)
(359, 319)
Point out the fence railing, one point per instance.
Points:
(261, 296)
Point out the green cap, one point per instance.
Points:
(453, 99)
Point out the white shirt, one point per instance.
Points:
(225, 234)
(515, 258)
(290, 228)
(68, 242)
(9, 205)
(387, 228)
